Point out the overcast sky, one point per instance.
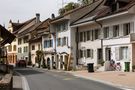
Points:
(25, 9)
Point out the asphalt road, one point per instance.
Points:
(47, 80)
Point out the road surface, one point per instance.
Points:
(39, 79)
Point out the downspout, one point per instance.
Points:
(77, 45)
(101, 37)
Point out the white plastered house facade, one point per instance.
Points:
(61, 42)
(48, 46)
(64, 42)
(108, 38)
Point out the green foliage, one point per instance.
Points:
(39, 57)
(68, 7)
(44, 64)
(101, 62)
(85, 2)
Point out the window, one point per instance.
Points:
(51, 43)
(124, 53)
(45, 44)
(116, 31)
(81, 54)
(25, 49)
(58, 41)
(58, 28)
(84, 36)
(25, 39)
(81, 36)
(126, 28)
(62, 26)
(10, 48)
(106, 32)
(14, 47)
(33, 47)
(96, 34)
(88, 35)
(20, 50)
(89, 53)
(19, 41)
(48, 43)
(64, 41)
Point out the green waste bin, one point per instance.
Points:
(127, 66)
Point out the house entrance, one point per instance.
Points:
(48, 63)
(108, 54)
(99, 55)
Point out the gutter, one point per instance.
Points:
(100, 19)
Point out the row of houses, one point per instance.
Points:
(102, 31)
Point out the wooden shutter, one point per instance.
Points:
(132, 27)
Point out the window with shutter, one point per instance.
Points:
(126, 29)
(88, 35)
(84, 36)
(81, 36)
(92, 53)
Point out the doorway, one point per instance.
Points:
(99, 55)
(108, 54)
(48, 63)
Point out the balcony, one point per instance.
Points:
(120, 40)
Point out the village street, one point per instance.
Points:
(39, 79)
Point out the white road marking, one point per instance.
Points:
(25, 85)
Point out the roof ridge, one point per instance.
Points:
(25, 23)
(88, 12)
(73, 10)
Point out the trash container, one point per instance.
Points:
(127, 66)
(90, 67)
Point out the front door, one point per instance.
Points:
(99, 56)
(108, 54)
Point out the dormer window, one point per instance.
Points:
(116, 4)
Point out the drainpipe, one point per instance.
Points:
(77, 45)
(102, 37)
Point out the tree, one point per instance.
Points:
(39, 57)
(68, 7)
(85, 2)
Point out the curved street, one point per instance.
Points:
(39, 79)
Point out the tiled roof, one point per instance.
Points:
(6, 36)
(103, 11)
(40, 29)
(23, 25)
(74, 10)
(16, 26)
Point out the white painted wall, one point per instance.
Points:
(33, 52)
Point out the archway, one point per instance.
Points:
(48, 63)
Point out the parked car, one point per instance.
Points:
(21, 63)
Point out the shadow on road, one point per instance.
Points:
(27, 71)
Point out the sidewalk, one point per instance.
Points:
(120, 79)
(17, 82)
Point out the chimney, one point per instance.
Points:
(18, 21)
(53, 16)
(37, 17)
